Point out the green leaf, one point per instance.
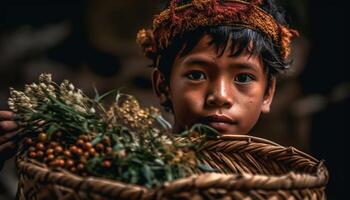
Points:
(161, 121)
(159, 161)
(118, 147)
(97, 95)
(169, 173)
(207, 130)
(134, 176)
(52, 129)
(85, 126)
(149, 175)
(97, 139)
(99, 98)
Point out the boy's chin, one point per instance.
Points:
(220, 127)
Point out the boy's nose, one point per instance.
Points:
(220, 95)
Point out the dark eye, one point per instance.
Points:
(243, 78)
(196, 75)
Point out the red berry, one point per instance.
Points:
(28, 141)
(107, 164)
(32, 154)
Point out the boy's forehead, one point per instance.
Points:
(206, 51)
(206, 44)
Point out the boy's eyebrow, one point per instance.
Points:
(244, 65)
(195, 60)
(207, 61)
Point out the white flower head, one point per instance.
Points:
(43, 85)
(34, 86)
(45, 78)
(92, 110)
(79, 109)
(51, 88)
(10, 102)
(27, 89)
(71, 86)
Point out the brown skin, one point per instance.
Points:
(225, 92)
(8, 131)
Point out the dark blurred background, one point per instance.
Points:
(92, 42)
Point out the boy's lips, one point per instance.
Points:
(221, 123)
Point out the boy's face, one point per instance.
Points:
(225, 92)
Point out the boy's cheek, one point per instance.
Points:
(250, 117)
(186, 95)
(187, 106)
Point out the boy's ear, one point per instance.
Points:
(156, 81)
(269, 96)
(159, 86)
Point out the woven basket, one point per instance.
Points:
(250, 168)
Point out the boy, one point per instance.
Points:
(215, 63)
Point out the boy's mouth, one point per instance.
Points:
(221, 123)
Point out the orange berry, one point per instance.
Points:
(84, 137)
(67, 153)
(100, 147)
(92, 151)
(58, 149)
(70, 163)
(106, 140)
(73, 148)
(50, 157)
(87, 145)
(60, 162)
(49, 151)
(79, 151)
(42, 137)
(80, 142)
(40, 146)
(86, 154)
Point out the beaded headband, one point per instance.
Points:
(200, 13)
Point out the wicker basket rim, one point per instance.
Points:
(250, 139)
(203, 181)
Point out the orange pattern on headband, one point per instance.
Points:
(200, 13)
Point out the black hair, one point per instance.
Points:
(240, 36)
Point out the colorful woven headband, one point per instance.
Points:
(200, 13)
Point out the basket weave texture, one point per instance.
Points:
(249, 168)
